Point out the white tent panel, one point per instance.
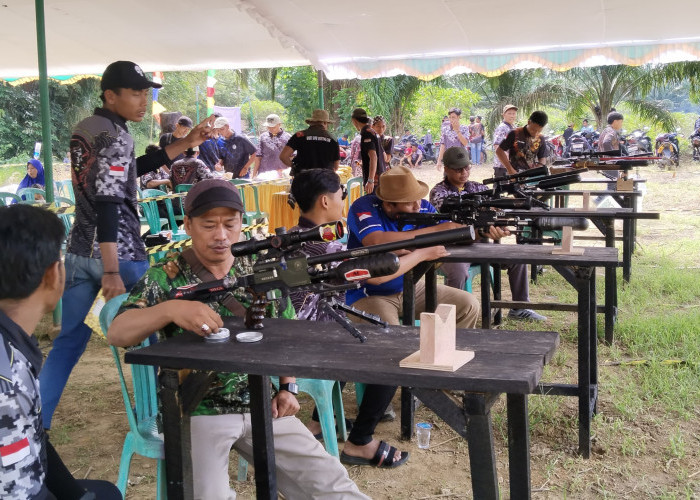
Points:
(364, 38)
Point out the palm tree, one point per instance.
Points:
(392, 97)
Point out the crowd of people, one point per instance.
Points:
(105, 252)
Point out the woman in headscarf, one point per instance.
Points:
(34, 177)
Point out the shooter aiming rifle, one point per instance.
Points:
(282, 265)
(481, 212)
(530, 183)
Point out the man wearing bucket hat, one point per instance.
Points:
(267, 158)
(372, 220)
(315, 146)
(457, 168)
(222, 419)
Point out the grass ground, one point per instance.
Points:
(646, 440)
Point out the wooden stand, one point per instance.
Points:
(587, 207)
(624, 185)
(437, 343)
(567, 244)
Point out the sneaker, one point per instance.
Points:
(525, 314)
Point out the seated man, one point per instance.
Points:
(320, 196)
(189, 170)
(457, 168)
(33, 277)
(222, 419)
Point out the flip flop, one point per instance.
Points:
(384, 458)
(348, 428)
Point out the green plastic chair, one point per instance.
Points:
(65, 189)
(4, 198)
(143, 437)
(249, 216)
(182, 188)
(28, 195)
(329, 404)
(150, 210)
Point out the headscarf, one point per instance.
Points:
(28, 181)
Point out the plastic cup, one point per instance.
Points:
(423, 435)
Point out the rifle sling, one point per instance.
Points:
(228, 300)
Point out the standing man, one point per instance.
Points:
(371, 150)
(105, 250)
(609, 139)
(510, 113)
(387, 142)
(524, 147)
(476, 140)
(315, 146)
(182, 128)
(586, 128)
(453, 135)
(236, 152)
(267, 157)
(567, 138)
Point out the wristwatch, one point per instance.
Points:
(290, 387)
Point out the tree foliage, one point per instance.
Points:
(298, 94)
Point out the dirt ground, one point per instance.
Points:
(90, 424)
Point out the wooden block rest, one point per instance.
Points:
(438, 342)
(567, 242)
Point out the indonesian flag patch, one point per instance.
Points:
(364, 215)
(116, 170)
(13, 453)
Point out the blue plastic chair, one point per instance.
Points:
(4, 198)
(65, 188)
(143, 437)
(329, 404)
(28, 195)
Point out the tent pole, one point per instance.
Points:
(44, 100)
(320, 89)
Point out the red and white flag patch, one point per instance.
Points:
(13, 453)
(364, 215)
(116, 170)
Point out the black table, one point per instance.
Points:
(578, 270)
(505, 362)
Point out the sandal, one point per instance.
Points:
(384, 458)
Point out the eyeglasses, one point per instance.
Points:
(461, 170)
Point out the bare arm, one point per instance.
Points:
(245, 168)
(369, 187)
(503, 157)
(411, 260)
(286, 156)
(197, 136)
(134, 325)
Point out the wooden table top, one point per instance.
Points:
(504, 362)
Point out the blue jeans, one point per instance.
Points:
(83, 282)
(476, 152)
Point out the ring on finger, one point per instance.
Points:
(205, 327)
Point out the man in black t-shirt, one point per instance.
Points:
(315, 146)
(182, 128)
(373, 164)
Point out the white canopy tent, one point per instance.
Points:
(362, 39)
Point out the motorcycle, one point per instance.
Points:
(556, 143)
(695, 142)
(638, 142)
(666, 146)
(579, 143)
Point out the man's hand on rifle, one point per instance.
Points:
(432, 253)
(256, 312)
(494, 232)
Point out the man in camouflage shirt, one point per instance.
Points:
(222, 419)
(510, 113)
(524, 147)
(33, 277)
(457, 169)
(104, 248)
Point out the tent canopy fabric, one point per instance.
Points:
(364, 39)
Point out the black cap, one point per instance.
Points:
(125, 75)
(359, 113)
(209, 194)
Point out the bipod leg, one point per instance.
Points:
(341, 320)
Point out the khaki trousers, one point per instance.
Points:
(304, 469)
(390, 307)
